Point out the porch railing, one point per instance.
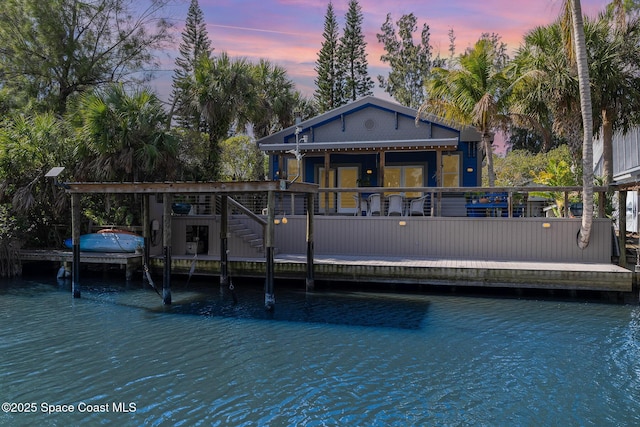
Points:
(438, 201)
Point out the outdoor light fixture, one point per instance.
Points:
(369, 171)
(469, 170)
(402, 223)
(276, 221)
(284, 219)
(546, 225)
(53, 173)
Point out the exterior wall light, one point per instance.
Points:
(546, 225)
(469, 170)
(402, 223)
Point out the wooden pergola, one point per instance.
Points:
(221, 189)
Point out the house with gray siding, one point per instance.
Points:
(374, 142)
(626, 170)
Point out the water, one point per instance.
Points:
(324, 359)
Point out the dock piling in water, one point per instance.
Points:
(75, 242)
(166, 249)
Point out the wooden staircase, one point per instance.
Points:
(241, 230)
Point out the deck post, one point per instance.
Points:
(622, 226)
(166, 248)
(310, 282)
(146, 231)
(75, 242)
(269, 297)
(224, 230)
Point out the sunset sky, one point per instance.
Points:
(289, 32)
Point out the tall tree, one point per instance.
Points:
(474, 93)
(273, 106)
(54, 49)
(123, 136)
(31, 144)
(353, 55)
(545, 92)
(614, 71)
(220, 90)
(329, 82)
(195, 45)
(410, 63)
(574, 15)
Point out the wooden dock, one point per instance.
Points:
(130, 262)
(437, 272)
(383, 269)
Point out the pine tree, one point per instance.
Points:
(410, 63)
(353, 56)
(328, 94)
(194, 46)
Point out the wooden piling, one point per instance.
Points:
(166, 248)
(269, 297)
(146, 231)
(75, 241)
(310, 280)
(224, 233)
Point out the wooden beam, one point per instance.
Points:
(327, 168)
(310, 280)
(269, 298)
(224, 230)
(166, 248)
(146, 231)
(188, 187)
(622, 227)
(75, 242)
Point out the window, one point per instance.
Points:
(292, 170)
(451, 170)
(404, 176)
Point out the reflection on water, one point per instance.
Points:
(350, 309)
(325, 358)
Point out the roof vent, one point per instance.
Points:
(369, 124)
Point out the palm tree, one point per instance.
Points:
(472, 95)
(31, 144)
(220, 89)
(615, 78)
(123, 136)
(274, 104)
(545, 89)
(574, 15)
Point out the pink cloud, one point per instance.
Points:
(289, 32)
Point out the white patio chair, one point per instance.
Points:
(362, 205)
(416, 206)
(374, 204)
(396, 205)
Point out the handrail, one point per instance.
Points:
(437, 192)
(532, 189)
(248, 212)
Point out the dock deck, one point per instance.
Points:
(129, 261)
(451, 272)
(381, 269)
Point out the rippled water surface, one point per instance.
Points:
(326, 358)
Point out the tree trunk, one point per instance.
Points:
(607, 146)
(584, 235)
(488, 149)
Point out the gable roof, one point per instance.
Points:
(413, 137)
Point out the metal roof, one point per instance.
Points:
(392, 145)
